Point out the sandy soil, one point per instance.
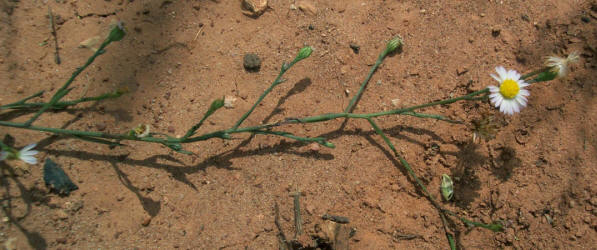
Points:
(538, 174)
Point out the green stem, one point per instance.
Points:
(253, 129)
(408, 168)
(432, 116)
(404, 162)
(533, 73)
(64, 89)
(23, 100)
(357, 96)
(62, 105)
(285, 67)
(82, 133)
(319, 140)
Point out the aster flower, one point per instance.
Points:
(26, 154)
(510, 96)
(561, 65)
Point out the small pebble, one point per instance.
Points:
(20, 90)
(254, 8)
(495, 32)
(61, 240)
(307, 7)
(100, 126)
(61, 214)
(355, 48)
(395, 102)
(146, 221)
(314, 147)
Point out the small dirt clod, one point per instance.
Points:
(252, 62)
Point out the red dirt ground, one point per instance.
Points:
(538, 174)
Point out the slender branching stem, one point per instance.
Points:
(285, 67)
(61, 105)
(64, 89)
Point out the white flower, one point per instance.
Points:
(510, 96)
(27, 155)
(561, 65)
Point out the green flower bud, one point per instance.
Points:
(304, 53)
(394, 44)
(547, 75)
(117, 33)
(328, 144)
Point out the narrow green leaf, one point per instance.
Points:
(496, 226)
(451, 241)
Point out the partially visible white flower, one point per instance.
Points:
(510, 96)
(3, 155)
(561, 65)
(27, 154)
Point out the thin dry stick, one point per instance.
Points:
(298, 222)
(53, 32)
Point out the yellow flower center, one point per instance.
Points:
(509, 88)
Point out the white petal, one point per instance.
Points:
(497, 78)
(521, 100)
(497, 100)
(524, 93)
(28, 147)
(511, 74)
(503, 107)
(516, 76)
(501, 72)
(515, 107)
(28, 159)
(493, 89)
(3, 155)
(29, 153)
(507, 107)
(562, 70)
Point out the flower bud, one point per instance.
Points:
(394, 44)
(304, 53)
(548, 75)
(117, 33)
(328, 144)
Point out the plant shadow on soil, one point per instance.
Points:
(28, 196)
